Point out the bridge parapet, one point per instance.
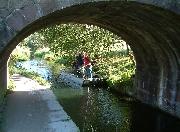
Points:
(9, 6)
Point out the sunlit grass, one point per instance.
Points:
(33, 75)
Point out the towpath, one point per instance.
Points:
(33, 108)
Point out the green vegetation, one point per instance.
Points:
(115, 60)
(33, 75)
(11, 86)
(22, 53)
(60, 43)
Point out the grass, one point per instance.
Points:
(33, 75)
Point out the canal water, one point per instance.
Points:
(98, 110)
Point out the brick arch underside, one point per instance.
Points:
(152, 33)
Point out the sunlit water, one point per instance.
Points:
(97, 110)
(37, 66)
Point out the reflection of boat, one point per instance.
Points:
(95, 82)
(75, 81)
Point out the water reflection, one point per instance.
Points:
(38, 66)
(111, 114)
(96, 109)
(106, 110)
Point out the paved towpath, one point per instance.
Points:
(33, 108)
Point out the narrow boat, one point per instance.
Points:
(74, 80)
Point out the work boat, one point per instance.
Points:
(77, 81)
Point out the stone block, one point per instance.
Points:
(16, 21)
(2, 45)
(5, 34)
(3, 12)
(178, 94)
(60, 126)
(47, 95)
(29, 13)
(47, 6)
(53, 105)
(3, 78)
(178, 109)
(17, 4)
(55, 116)
(2, 27)
(64, 3)
(4, 3)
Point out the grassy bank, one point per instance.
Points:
(33, 75)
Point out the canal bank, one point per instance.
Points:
(33, 108)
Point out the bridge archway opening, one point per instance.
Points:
(151, 33)
(111, 57)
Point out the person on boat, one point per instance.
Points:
(78, 64)
(79, 61)
(87, 72)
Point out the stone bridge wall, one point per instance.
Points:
(150, 27)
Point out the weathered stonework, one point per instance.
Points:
(150, 27)
(3, 82)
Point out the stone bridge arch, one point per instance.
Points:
(152, 33)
